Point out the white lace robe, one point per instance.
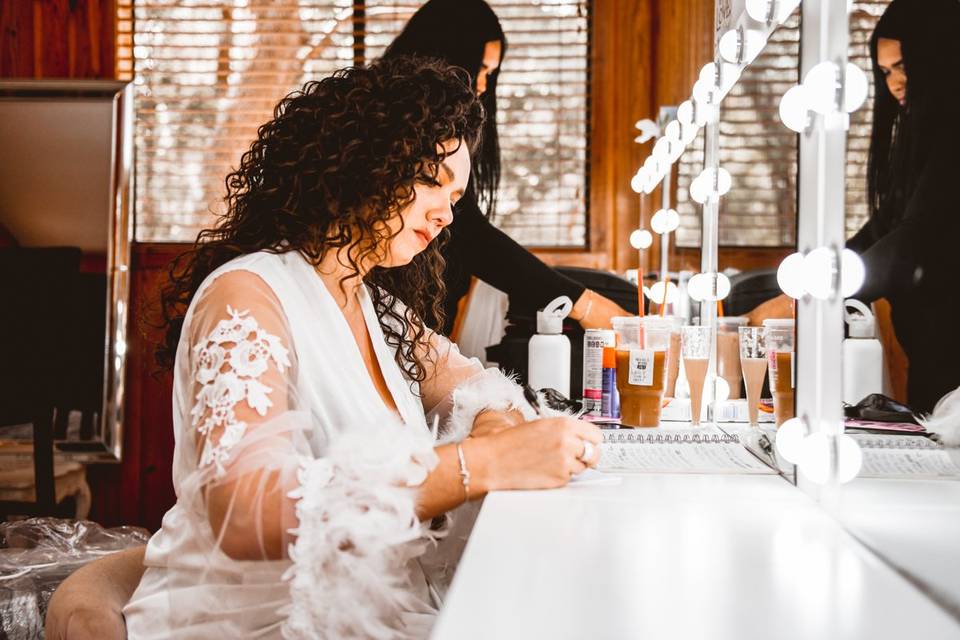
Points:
(295, 484)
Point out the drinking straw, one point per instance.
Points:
(719, 308)
(640, 287)
(663, 305)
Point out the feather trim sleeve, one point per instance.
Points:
(358, 535)
(490, 390)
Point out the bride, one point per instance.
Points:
(322, 432)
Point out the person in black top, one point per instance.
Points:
(468, 34)
(909, 243)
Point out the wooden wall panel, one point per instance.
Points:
(57, 38)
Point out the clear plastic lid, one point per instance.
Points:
(731, 323)
(649, 332)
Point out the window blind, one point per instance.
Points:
(761, 154)
(208, 73)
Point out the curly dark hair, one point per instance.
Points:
(340, 158)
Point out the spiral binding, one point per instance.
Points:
(879, 441)
(616, 436)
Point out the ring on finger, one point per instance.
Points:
(587, 452)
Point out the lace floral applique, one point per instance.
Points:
(227, 365)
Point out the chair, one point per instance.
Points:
(37, 285)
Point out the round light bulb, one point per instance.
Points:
(661, 150)
(658, 222)
(815, 457)
(672, 220)
(849, 458)
(721, 389)
(790, 276)
(656, 292)
(641, 239)
(730, 45)
(724, 181)
(636, 182)
(723, 286)
(821, 83)
(708, 74)
(794, 109)
(852, 273)
(729, 74)
(699, 190)
(819, 272)
(689, 132)
(651, 182)
(697, 287)
(760, 10)
(672, 131)
(790, 437)
(855, 88)
(685, 112)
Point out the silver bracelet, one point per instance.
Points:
(464, 472)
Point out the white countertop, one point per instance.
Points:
(913, 524)
(676, 556)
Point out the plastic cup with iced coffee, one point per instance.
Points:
(641, 370)
(695, 346)
(753, 360)
(780, 362)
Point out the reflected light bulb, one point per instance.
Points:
(821, 84)
(855, 88)
(689, 133)
(790, 437)
(672, 131)
(849, 458)
(699, 191)
(794, 109)
(704, 92)
(673, 220)
(685, 112)
(767, 11)
(790, 276)
(724, 181)
(723, 286)
(636, 182)
(661, 150)
(658, 222)
(852, 273)
(819, 271)
(656, 292)
(697, 287)
(641, 239)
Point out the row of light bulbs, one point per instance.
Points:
(821, 273)
(816, 452)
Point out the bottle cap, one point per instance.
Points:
(862, 324)
(550, 319)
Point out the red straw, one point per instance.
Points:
(640, 287)
(719, 308)
(663, 305)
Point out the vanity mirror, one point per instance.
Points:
(66, 151)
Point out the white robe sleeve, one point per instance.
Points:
(344, 517)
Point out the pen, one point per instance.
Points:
(531, 397)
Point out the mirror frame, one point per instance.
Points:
(107, 445)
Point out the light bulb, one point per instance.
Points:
(708, 74)
(852, 273)
(672, 131)
(673, 220)
(794, 109)
(685, 112)
(721, 389)
(849, 458)
(656, 292)
(699, 190)
(739, 46)
(817, 457)
(697, 287)
(730, 45)
(729, 74)
(790, 276)
(641, 239)
(724, 181)
(790, 437)
(661, 150)
(855, 88)
(704, 92)
(767, 11)
(636, 182)
(658, 222)
(651, 184)
(819, 272)
(689, 132)
(822, 83)
(723, 286)
(677, 147)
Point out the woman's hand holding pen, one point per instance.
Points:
(539, 454)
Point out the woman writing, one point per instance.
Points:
(467, 34)
(311, 486)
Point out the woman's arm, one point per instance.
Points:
(88, 605)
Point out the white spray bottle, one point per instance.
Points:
(548, 359)
(862, 354)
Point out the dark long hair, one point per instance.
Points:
(456, 32)
(903, 138)
(339, 159)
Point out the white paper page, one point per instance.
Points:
(682, 458)
(887, 463)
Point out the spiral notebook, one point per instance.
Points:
(677, 451)
(886, 456)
